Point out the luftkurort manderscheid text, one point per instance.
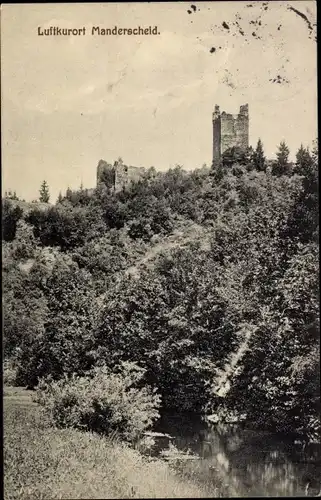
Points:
(97, 30)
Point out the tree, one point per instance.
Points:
(303, 161)
(65, 226)
(235, 155)
(11, 196)
(60, 198)
(25, 244)
(303, 220)
(44, 193)
(258, 157)
(281, 166)
(10, 218)
(62, 343)
(68, 193)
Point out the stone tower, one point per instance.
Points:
(229, 131)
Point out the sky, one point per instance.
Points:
(69, 101)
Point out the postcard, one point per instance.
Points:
(160, 249)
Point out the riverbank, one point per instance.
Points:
(41, 462)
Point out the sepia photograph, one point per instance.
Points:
(160, 250)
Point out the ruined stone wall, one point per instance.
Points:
(105, 174)
(100, 169)
(135, 173)
(117, 176)
(126, 174)
(121, 175)
(228, 132)
(242, 127)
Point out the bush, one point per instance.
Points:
(9, 373)
(65, 226)
(25, 244)
(10, 216)
(104, 402)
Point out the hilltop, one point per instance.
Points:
(28, 206)
(204, 280)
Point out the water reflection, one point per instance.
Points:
(235, 461)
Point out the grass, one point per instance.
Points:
(42, 462)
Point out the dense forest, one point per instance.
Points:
(186, 291)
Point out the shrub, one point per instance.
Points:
(140, 228)
(25, 244)
(104, 402)
(9, 372)
(65, 226)
(23, 317)
(10, 216)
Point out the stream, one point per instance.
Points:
(235, 461)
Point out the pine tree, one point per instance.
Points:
(60, 198)
(69, 194)
(258, 157)
(303, 161)
(281, 166)
(44, 193)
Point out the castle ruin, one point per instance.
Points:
(229, 131)
(118, 175)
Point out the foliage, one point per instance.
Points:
(9, 372)
(281, 166)
(65, 226)
(68, 463)
(302, 222)
(105, 256)
(104, 402)
(235, 155)
(76, 198)
(228, 324)
(10, 216)
(44, 193)
(20, 295)
(64, 345)
(60, 198)
(161, 320)
(24, 246)
(9, 195)
(258, 157)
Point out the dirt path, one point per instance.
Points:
(179, 239)
(222, 383)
